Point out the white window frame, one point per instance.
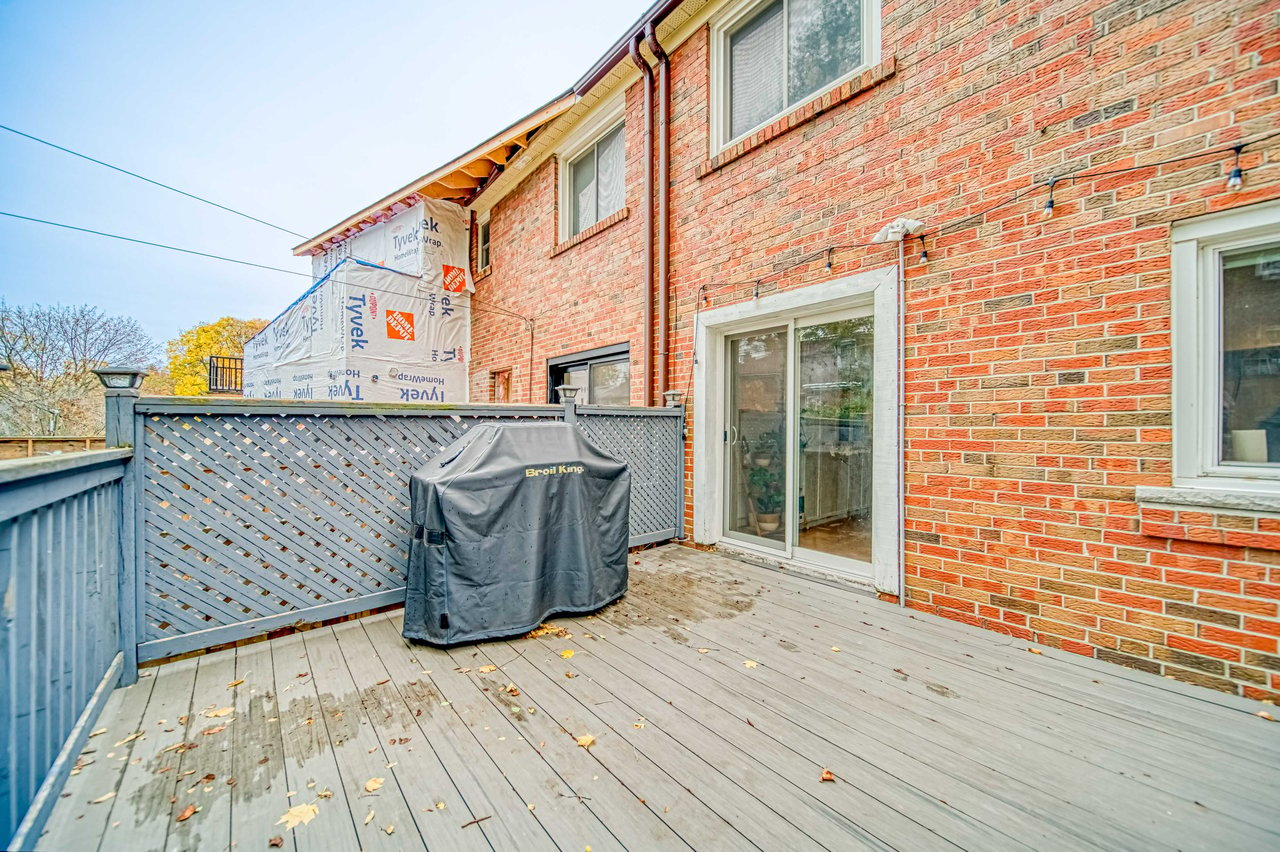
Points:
(1197, 400)
(484, 246)
(727, 23)
(603, 119)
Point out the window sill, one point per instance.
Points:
(1211, 516)
(806, 112)
(482, 274)
(583, 236)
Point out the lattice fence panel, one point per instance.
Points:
(255, 515)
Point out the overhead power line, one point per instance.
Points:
(160, 184)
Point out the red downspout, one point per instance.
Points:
(647, 73)
(664, 190)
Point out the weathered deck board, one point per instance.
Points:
(940, 736)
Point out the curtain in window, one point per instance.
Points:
(611, 165)
(582, 175)
(824, 43)
(756, 72)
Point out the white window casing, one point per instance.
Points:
(1199, 247)
(783, 56)
(578, 147)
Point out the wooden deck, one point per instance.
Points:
(717, 693)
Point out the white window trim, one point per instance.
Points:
(482, 220)
(722, 28)
(1197, 244)
(877, 288)
(603, 119)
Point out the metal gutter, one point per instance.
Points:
(622, 47)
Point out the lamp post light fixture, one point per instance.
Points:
(121, 378)
(568, 393)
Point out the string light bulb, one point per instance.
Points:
(830, 252)
(1047, 212)
(1235, 181)
(924, 252)
(756, 294)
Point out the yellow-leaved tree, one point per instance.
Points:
(188, 350)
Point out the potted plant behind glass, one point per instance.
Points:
(768, 492)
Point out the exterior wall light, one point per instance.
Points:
(121, 378)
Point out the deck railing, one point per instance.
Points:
(61, 578)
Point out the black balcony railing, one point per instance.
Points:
(226, 374)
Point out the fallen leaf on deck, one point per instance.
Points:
(187, 813)
(704, 650)
(390, 829)
(487, 669)
(461, 670)
(439, 806)
(235, 683)
(834, 648)
(326, 793)
(102, 798)
(298, 815)
(304, 674)
(98, 733)
(1265, 715)
(372, 784)
(532, 806)
(220, 712)
(368, 818)
(827, 776)
(393, 764)
(586, 741)
(751, 664)
(182, 720)
(207, 778)
(567, 653)
(129, 738)
(216, 729)
(511, 689)
(381, 682)
(276, 842)
(1035, 651)
(570, 674)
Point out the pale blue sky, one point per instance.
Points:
(297, 113)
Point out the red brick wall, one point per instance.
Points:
(1037, 356)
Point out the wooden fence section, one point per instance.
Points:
(256, 515)
(20, 447)
(61, 573)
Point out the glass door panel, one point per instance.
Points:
(756, 437)
(833, 461)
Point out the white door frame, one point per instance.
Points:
(878, 288)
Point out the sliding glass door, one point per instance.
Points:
(798, 439)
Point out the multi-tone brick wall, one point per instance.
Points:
(1037, 353)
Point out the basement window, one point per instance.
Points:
(770, 57)
(603, 376)
(1226, 322)
(595, 181)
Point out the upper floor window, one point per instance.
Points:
(596, 181)
(1226, 323)
(770, 57)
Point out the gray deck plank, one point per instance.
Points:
(210, 827)
(422, 777)
(141, 808)
(1163, 703)
(1100, 737)
(625, 786)
(769, 811)
(123, 715)
(898, 776)
(258, 756)
(309, 765)
(522, 718)
(1123, 799)
(359, 752)
(510, 824)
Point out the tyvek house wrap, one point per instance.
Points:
(388, 318)
(511, 523)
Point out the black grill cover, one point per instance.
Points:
(511, 523)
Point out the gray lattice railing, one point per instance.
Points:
(257, 515)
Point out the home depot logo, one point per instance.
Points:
(455, 278)
(399, 325)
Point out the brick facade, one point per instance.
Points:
(1037, 352)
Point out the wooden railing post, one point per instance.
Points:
(120, 432)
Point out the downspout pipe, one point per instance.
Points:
(647, 74)
(664, 192)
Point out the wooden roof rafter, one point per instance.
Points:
(460, 180)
